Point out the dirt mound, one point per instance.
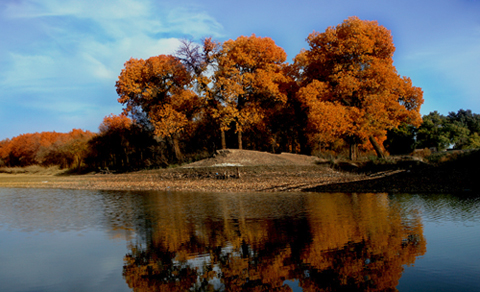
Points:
(235, 157)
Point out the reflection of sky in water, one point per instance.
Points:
(452, 232)
(59, 210)
(61, 261)
(294, 285)
(58, 240)
(65, 240)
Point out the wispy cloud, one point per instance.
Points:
(95, 36)
(82, 46)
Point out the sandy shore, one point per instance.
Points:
(256, 179)
(214, 179)
(253, 171)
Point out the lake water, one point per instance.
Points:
(69, 240)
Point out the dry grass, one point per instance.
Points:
(34, 169)
(422, 153)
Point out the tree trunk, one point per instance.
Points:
(377, 147)
(239, 133)
(127, 161)
(176, 148)
(224, 142)
(353, 151)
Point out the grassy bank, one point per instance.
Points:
(34, 170)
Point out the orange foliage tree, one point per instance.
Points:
(72, 150)
(4, 151)
(115, 123)
(110, 146)
(246, 82)
(24, 149)
(351, 88)
(159, 90)
(123, 144)
(68, 150)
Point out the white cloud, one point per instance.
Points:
(98, 69)
(93, 39)
(120, 30)
(193, 23)
(106, 9)
(78, 49)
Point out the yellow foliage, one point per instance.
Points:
(349, 69)
(115, 123)
(249, 73)
(160, 87)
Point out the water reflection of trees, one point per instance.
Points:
(326, 242)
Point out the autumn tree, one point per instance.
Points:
(157, 91)
(246, 82)
(23, 149)
(351, 88)
(111, 146)
(122, 144)
(48, 143)
(75, 148)
(67, 150)
(30, 148)
(5, 149)
(200, 60)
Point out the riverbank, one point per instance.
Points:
(215, 179)
(235, 172)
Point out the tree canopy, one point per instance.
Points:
(351, 87)
(459, 130)
(68, 150)
(158, 89)
(246, 82)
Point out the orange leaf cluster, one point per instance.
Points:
(158, 87)
(248, 76)
(46, 148)
(115, 123)
(352, 64)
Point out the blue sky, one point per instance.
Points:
(59, 59)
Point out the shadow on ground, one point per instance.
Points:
(458, 175)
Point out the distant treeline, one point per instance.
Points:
(456, 131)
(68, 150)
(123, 145)
(120, 144)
